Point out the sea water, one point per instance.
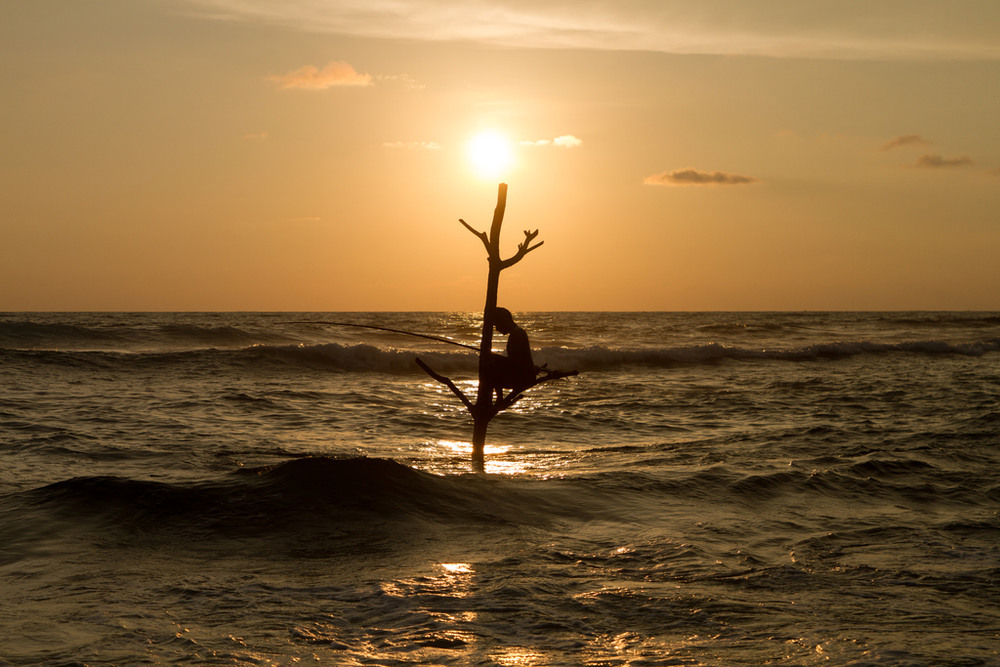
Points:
(711, 489)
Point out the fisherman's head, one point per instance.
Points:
(503, 320)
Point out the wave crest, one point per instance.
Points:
(369, 358)
(312, 494)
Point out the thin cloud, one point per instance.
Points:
(410, 145)
(257, 136)
(906, 140)
(939, 162)
(886, 30)
(565, 141)
(688, 176)
(402, 79)
(336, 73)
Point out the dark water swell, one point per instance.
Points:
(877, 482)
(322, 493)
(120, 333)
(313, 494)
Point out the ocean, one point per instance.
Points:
(711, 489)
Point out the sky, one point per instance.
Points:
(316, 155)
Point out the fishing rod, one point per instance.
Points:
(440, 339)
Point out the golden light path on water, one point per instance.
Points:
(451, 588)
(463, 450)
(501, 458)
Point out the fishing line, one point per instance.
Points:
(440, 339)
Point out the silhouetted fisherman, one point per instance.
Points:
(516, 370)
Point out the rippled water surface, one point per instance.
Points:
(712, 489)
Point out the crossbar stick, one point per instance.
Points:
(439, 339)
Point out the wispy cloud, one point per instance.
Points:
(939, 162)
(402, 79)
(410, 145)
(689, 176)
(850, 29)
(336, 73)
(906, 140)
(564, 141)
(256, 136)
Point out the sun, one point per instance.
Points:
(491, 154)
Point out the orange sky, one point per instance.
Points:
(312, 155)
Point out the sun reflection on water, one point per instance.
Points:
(430, 613)
(464, 448)
(516, 656)
(494, 465)
(456, 568)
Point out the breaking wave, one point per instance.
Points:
(601, 358)
(369, 358)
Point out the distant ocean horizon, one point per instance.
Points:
(14, 314)
(713, 488)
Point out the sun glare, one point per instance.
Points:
(491, 155)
